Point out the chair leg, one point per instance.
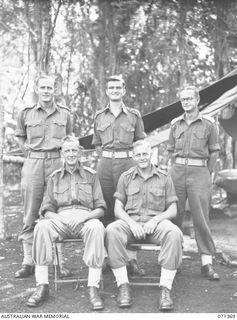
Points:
(56, 267)
(102, 281)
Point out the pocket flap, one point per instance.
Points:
(86, 187)
(133, 190)
(61, 189)
(126, 127)
(103, 126)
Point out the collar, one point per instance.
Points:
(52, 109)
(199, 117)
(78, 168)
(123, 107)
(153, 172)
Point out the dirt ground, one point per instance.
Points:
(191, 293)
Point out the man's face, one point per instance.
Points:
(45, 90)
(189, 100)
(115, 90)
(142, 156)
(70, 153)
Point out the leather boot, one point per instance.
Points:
(208, 272)
(95, 299)
(39, 296)
(124, 296)
(165, 302)
(25, 271)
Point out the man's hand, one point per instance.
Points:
(137, 230)
(149, 227)
(74, 222)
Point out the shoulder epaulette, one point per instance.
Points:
(55, 171)
(89, 169)
(209, 118)
(29, 107)
(134, 111)
(99, 112)
(175, 120)
(63, 107)
(129, 171)
(162, 171)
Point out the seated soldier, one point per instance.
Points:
(145, 204)
(71, 208)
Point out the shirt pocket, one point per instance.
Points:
(179, 139)
(58, 129)
(35, 130)
(85, 194)
(61, 194)
(126, 133)
(199, 140)
(133, 195)
(156, 199)
(105, 132)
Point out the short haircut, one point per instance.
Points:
(115, 78)
(142, 143)
(189, 88)
(71, 139)
(44, 76)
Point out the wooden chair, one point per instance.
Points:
(79, 279)
(148, 280)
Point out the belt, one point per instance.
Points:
(73, 206)
(191, 161)
(44, 154)
(116, 154)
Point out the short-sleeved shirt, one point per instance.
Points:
(145, 198)
(82, 188)
(113, 133)
(196, 140)
(43, 130)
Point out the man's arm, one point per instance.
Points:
(135, 227)
(21, 142)
(212, 160)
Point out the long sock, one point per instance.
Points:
(41, 275)
(94, 277)
(206, 259)
(121, 275)
(167, 278)
(27, 248)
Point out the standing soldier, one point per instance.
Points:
(115, 129)
(40, 128)
(193, 140)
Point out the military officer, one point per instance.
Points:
(71, 208)
(145, 204)
(40, 128)
(194, 144)
(115, 129)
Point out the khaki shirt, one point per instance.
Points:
(196, 140)
(119, 132)
(43, 130)
(82, 188)
(145, 198)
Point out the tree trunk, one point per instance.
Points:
(39, 18)
(182, 43)
(222, 66)
(2, 224)
(106, 53)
